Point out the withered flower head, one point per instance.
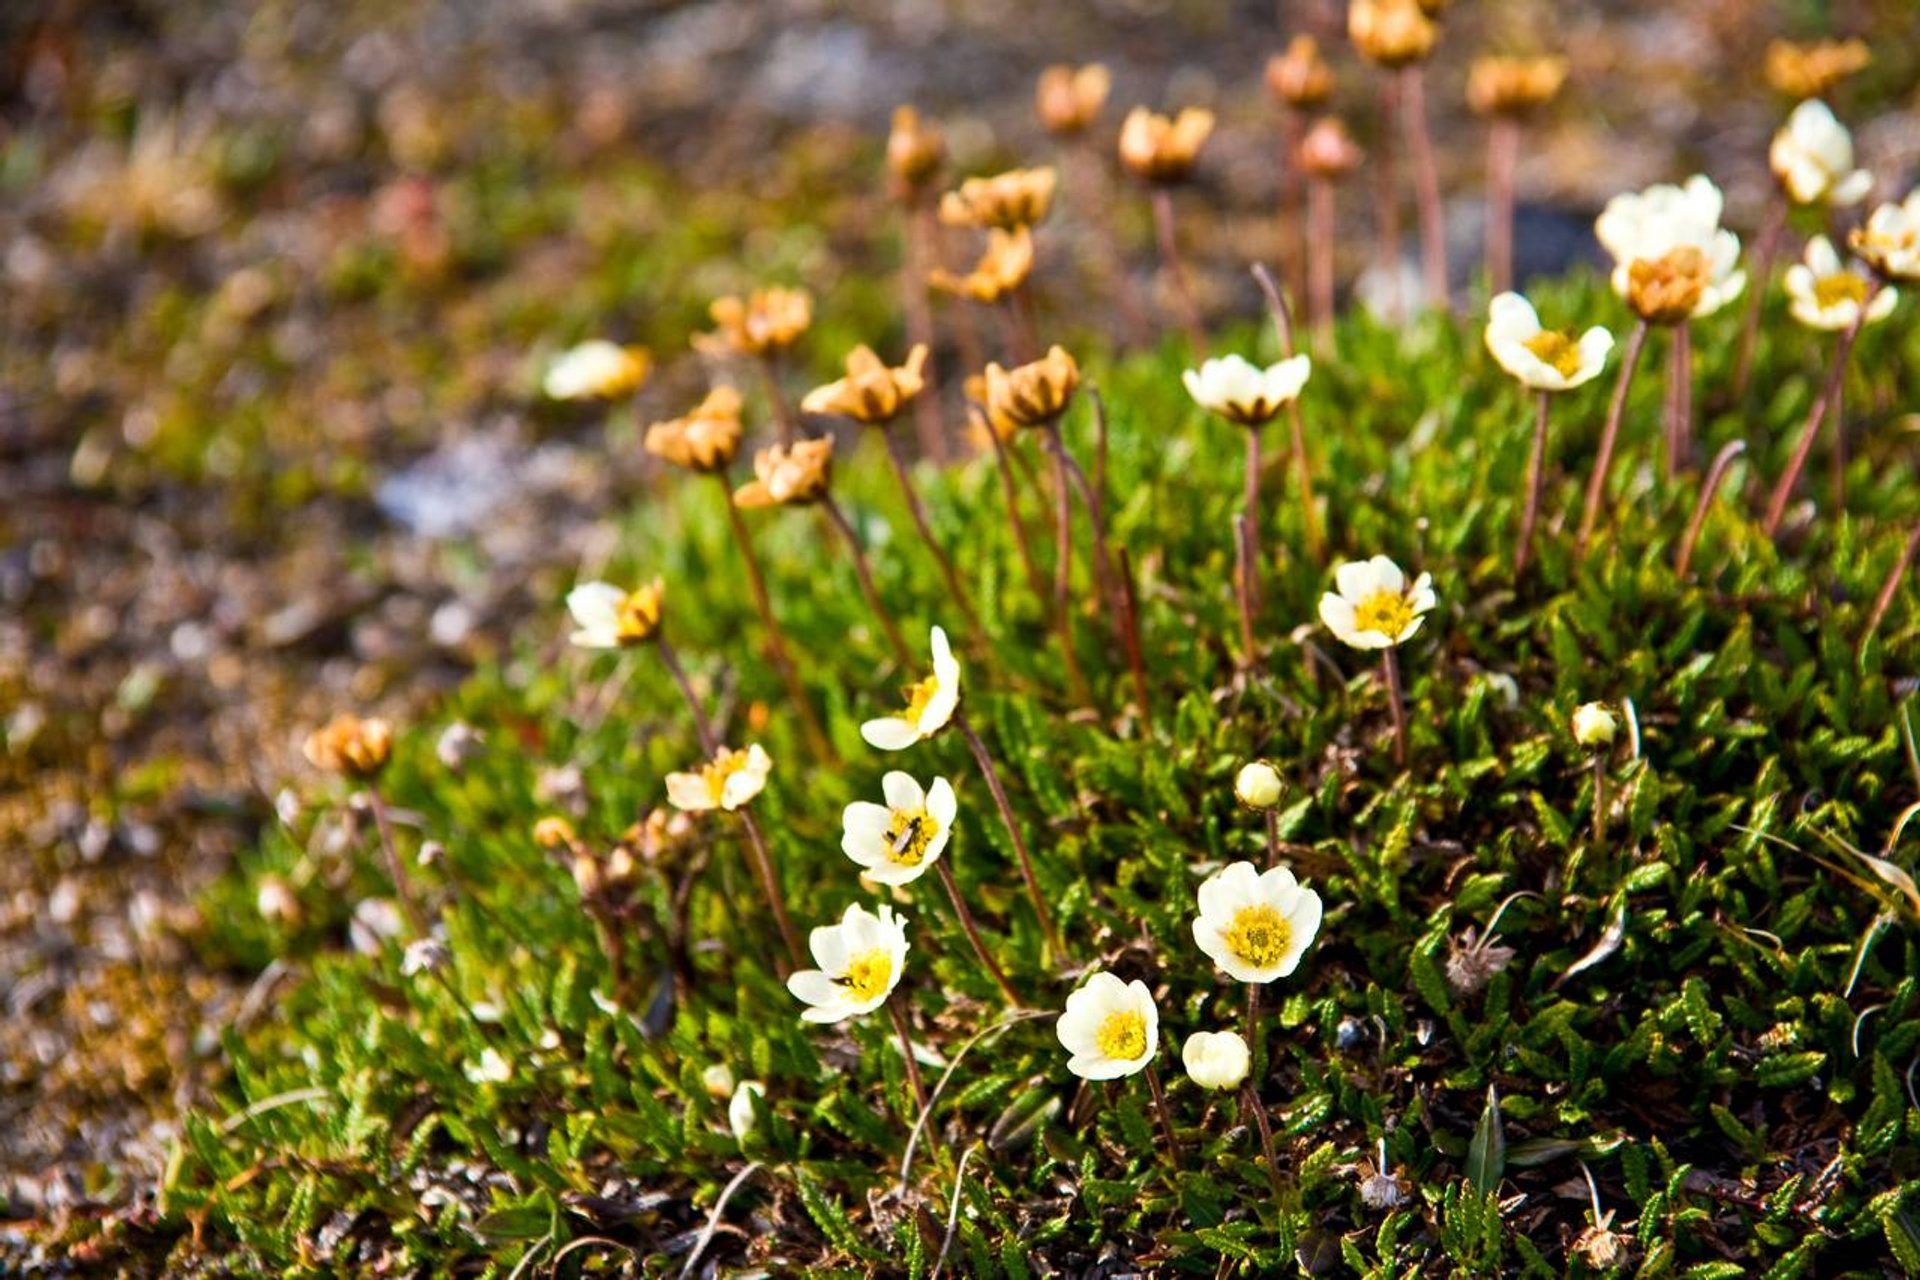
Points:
(1472, 961)
(1802, 71)
(1504, 86)
(871, 392)
(1016, 198)
(1665, 290)
(1601, 1247)
(707, 439)
(554, 832)
(1300, 77)
(788, 475)
(1004, 267)
(350, 746)
(914, 152)
(1070, 98)
(1157, 149)
(765, 321)
(655, 840)
(1328, 151)
(1393, 33)
(1030, 395)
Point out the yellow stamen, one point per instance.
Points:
(1388, 612)
(909, 835)
(1259, 935)
(1840, 287)
(722, 767)
(869, 976)
(1557, 349)
(1123, 1036)
(919, 694)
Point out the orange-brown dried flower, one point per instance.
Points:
(554, 832)
(872, 392)
(1393, 33)
(1004, 267)
(1665, 290)
(788, 475)
(765, 321)
(915, 149)
(1157, 149)
(706, 439)
(1016, 198)
(1069, 99)
(350, 746)
(1508, 86)
(1300, 77)
(1801, 71)
(1029, 395)
(1328, 151)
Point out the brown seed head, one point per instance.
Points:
(1503, 86)
(1160, 150)
(1004, 267)
(1300, 77)
(350, 746)
(915, 149)
(707, 439)
(1069, 99)
(1030, 395)
(788, 476)
(1328, 151)
(1392, 33)
(871, 392)
(1801, 71)
(1016, 198)
(765, 321)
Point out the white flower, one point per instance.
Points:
(1593, 725)
(1812, 155)
(1825, 295)
(1258, 785)
(718, 1080)
(727, 781)
(930, 703)
(1256, 925)
(1890, 242)
(1216, 1059)
(860, 960)
(740, 1113)
(1647, 226)
(608, 618)
(1242, 392)
(1543, 359)
(1372, 606)
(491, 1069)
(596, 370)
(897, 841)
(1110, 1027)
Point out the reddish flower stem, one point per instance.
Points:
(1610, 436)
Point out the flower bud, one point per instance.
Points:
(1328, 151)
(1258, 785)
(1393, 33)
(1216, 1059)
(1593, 725)
(351, 746)
(914, 152)
(1300, 77)
(740, 1114)
(718, 1081)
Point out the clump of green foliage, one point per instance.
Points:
(1714, 1008)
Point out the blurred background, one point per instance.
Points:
(278, 280)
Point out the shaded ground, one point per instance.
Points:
(274, 288)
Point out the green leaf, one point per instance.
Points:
(1487, 1153)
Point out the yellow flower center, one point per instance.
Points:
(909, 835)
(722, 767)
(1259, 935)
(637, 616)
(919, 694)
(1838, 288)
(869, 976)
(1122, 1036)
(1388, 612)
(1557, 349)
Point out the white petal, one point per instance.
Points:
(902, 792)
(889, 733)
(942, 804)
(689, 791)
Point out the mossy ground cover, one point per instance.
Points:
(1711, 1006)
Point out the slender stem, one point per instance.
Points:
(1010, 489)
(769, 363)
(972, 931)
(992, 774)
(1536, 481)
(1708, 487)
(1680, 401)
(1166, 1115)
(1783, 491)
(1766, 245)
(1130, 634)
(1177, 268)
(1256, 1041)
(1599, 800)
(864, 572)
(1283, 322)
(614, 946)
(1390, 667)
(1387, 170)
(1426, 185)
(1250, 1101)
(919, 315)
(776, 637)
(761, 859)
(402, 888)
(1063, 565)
(913, 1067)
(1097, 503)
(1610, 436)
(1273, 836)
(896, 454)
(1837, 460)
(1243, 590)
(1102, 562)
(1891, 587)
(1320, 233)
(1252, 513)
(1503, 153)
